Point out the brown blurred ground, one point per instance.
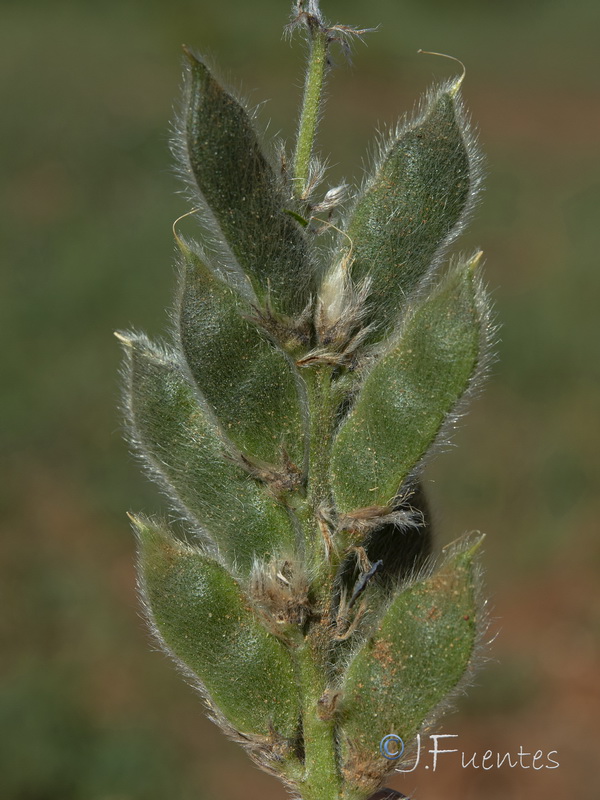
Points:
(87, 711)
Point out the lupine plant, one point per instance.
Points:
(321, 350)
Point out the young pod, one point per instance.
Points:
(185, 450)
(204, 619)
(223, 159)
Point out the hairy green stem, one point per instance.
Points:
(318, 495)
(321, 777)
(311, 103)
(321, 403)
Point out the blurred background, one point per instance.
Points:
(87, 710)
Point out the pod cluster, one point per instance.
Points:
(288, 419)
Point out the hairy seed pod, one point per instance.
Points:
(185, 449)
(205, 620)
(387, 688)
(413, 205)
(410, 393)
(224, 159)
(248, 381)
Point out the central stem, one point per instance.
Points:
(311, 102)
(318, 381)
(321, 776)
(318, 496)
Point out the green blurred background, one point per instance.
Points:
(87, 711)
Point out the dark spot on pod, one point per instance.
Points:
(387, 794)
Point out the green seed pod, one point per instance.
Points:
(185, 450)
(410, 393)
(413, 205)
(250, 384)
(205, 620)
(221, 153)
(422, 647)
